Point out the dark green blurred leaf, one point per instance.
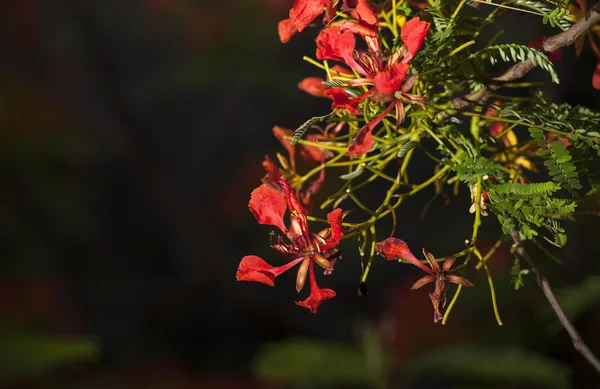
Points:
(312, 362)
(26, 354)
(575, 301)
(495, 367)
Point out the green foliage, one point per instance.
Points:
(469, 169)
(502, 367)
(517, 274)
(529, 207)
(300, 131)
(559, 165)
(312, 363)
(515, 52)
(558, 17)
(406, 148)
(28, 354)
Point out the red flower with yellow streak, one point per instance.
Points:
(299, 245)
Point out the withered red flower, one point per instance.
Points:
(299, 245)
(395, 249)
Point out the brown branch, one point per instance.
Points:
(520, 69)
(578, 343)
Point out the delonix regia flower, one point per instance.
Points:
(386, 73)
(394, 249)
(298, 245)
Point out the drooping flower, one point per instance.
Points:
(396, 249)
(298, 244)
(386, 76)
(303, 13)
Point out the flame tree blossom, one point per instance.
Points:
(298, 245)
(394, 249)
(387, 76)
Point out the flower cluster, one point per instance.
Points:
(298, 245)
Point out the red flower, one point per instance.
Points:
(338, 43)
(537, 44)
(303, 12)
(313, 86)
(299, 245)
(394, 249)
(309, 153)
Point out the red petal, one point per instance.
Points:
(313, 153)
(389, 80)
(596, 77)
(317, 296)
(341, 100)
(303, 12)
(313, 188)
(459, 280)
(364, 140)
(335, 220)
(394, 249)
(366, 14)
(268, 206)
(272, 177)
(286, 29)
(280, 134)
(336, 45)
(496, 128)
(299, 214)
(338, 70)
(313, 86)
(413, 33)
(253, 268)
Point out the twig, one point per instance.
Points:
(578, 343)
(518, 70)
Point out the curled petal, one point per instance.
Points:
(268, 206)
(394, 249)
(313, 86)
(317, 295)
(366, 14)
(272, 177)
(286, 29)
(459, 280)
(280, 133)
(341, 100)
(448, 263)
(302, 273)
(389, 80)
(363, 142)
(435, 301)
(432, 262)
(423, 281)
(413, 34)
(335, 220)
(322, 261)
(303, 12)
(336, 45)
(253, 268)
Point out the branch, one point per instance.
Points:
(520, 69)
(578, 343)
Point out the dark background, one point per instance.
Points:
(131, 135)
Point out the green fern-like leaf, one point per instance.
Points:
(300, 131)
(514, 52)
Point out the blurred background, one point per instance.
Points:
(131, 135)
